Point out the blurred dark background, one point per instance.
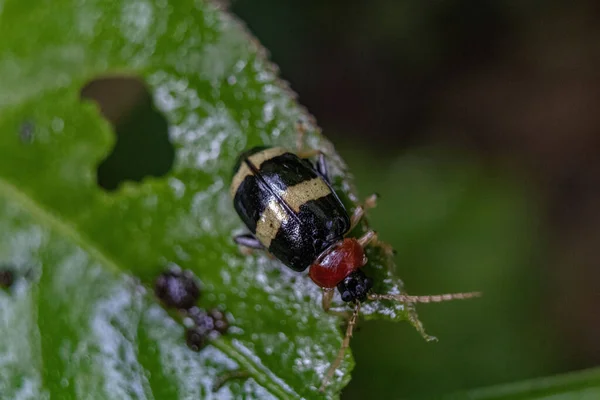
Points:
(478, 122)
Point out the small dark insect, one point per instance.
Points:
(177, 289)
(196, 340)
(206, 326)
(292, 212)
(7, 278)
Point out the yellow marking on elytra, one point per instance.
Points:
(256, 159)
(270, 221)
(312, 189)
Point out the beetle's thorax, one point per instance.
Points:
(337, 262)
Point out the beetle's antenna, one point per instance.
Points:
(345, 344)
(425, 299)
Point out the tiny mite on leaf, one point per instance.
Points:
(206, 326)
(292, 212)
(7, 277)
(177, 289)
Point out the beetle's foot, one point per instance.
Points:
(300, 133)
(371, 201)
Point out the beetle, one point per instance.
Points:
(292, 211)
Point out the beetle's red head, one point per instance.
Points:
(339, 266)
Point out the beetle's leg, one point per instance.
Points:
(371, 238)
(328, 294)
(327, 297)
(345, 344)
(359, 211)
(322, 167)
(248, 242)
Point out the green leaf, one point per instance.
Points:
(81, 318)
(573, 385)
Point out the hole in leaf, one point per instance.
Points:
(142, 148)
